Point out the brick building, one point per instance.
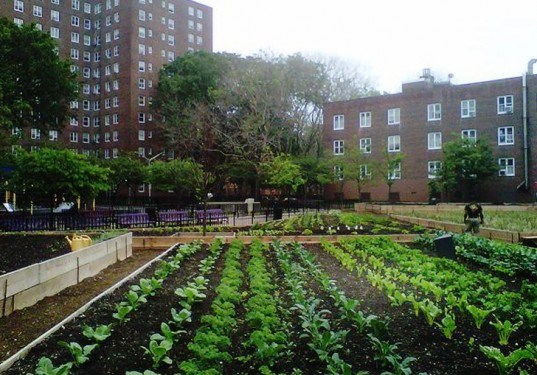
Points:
(118, 48)
(425, 115)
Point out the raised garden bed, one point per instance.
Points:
(281, 295)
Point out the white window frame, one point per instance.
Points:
(506, 135)
(434, 141)
(468, 108)
(365, 145)
(365, 119)
(394, 116)
(432, 168)
(434, 112)
(339, 122)
(365, 172)
(395, 174)
(507, 167)
(339, 147)
(467, 134)
(394, 143)
(505, 104)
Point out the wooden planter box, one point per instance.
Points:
(25, 287)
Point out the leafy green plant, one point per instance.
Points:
(506, 364)
(45, 367)
(182, 316)
(98, 334)
(478, 314)
(505, 329)
(158, 350)
(80, 354)
(430, 311)
(448, 325)
(122, 311)
(146, 372)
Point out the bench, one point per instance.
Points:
(132, 220)
(214, 216)
(173, 217)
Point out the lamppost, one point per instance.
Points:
(148, 164)
(209, 196)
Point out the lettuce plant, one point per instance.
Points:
(98, 334)
(159, 351)
(45, 367)
(448, 325)
(80, 354)
(504, 329)
(478, 314)
(506, 364)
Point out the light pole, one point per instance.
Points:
(148, 164)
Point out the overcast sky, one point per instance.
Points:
(393, 40)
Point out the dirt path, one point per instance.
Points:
(22, 327)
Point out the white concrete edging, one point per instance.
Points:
(26, 286)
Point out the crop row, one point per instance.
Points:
(137, 295)
(438, 288)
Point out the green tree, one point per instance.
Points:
(184, 177)
(48, 174)
(128, 171)
(282, 173)
(389, 168)
(466, 165)
(35, 85)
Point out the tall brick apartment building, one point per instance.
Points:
(425, 115)
(118, 47)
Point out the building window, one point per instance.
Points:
(55, 32)
(505, 104)
(73, 121)
(395, 173)
(18, 6)
(365, 145)
(433, 168)
(38, 11)
(507, 166)
(365, 172)
(53, 135)
(434, 112)
(394, 143)
(55, 15)
(338, 147)
(85, 138)
(468, 108)
(73, 137)
(365, 119)
(141, 117)
(434, 141)
(394, 116)
(469, 134)
(35, 133)
(141, 135)
(339, 122)
(506, 135)
(75, 37)
(338, 172)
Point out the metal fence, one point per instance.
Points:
(103, 218)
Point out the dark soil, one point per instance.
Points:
(434, 354)
(22, 250)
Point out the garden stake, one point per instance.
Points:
(5, 299)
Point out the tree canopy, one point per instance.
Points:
(49, 173)
(466, 165)
(223, 109)
(36, 86)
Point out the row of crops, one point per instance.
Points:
(356, 307)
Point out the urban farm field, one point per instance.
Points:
(360, 306)
(515, 221)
